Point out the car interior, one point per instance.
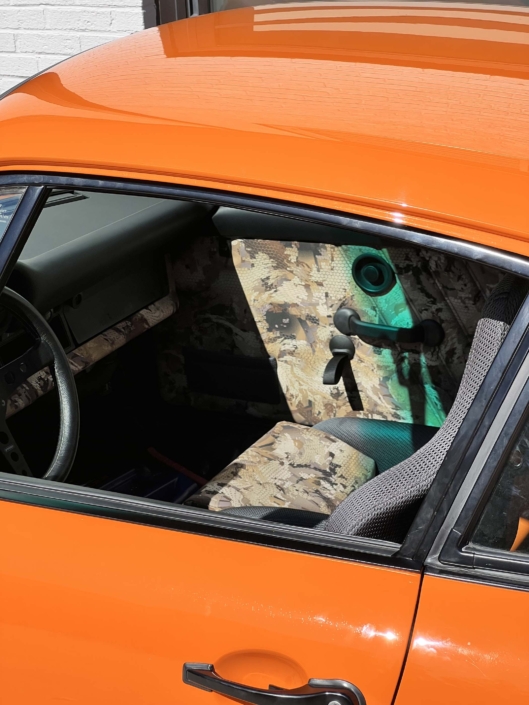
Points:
(236, 361)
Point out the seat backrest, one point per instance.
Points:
(384, 507)
(263, 318)
(295, 288)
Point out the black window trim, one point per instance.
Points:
(452, 552)
(88, 501)
(469, 441)
(19, 227)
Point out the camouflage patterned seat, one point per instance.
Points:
(303, 468)
(291, 466)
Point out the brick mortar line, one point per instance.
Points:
(62, 33)
(25, 54)
(57, 4)
(70, 8)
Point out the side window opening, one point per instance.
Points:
(504, 523)
(211, 369)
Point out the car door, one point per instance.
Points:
(106, 597)
(107, 610)
(469, 643)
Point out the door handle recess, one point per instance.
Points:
(315, 692)
(429, 332)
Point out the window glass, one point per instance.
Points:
(504, 523)
(9, 199)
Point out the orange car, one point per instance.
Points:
(264, 362)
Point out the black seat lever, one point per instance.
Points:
(429, 332)
(315, 692)
(342, 349)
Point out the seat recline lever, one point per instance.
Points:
(343, 350)
(315, 692)
(428, 332)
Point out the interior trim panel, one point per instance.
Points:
(94, 350)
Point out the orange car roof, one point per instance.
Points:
(416, 113)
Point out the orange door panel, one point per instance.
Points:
(470, 646)
(99, 611)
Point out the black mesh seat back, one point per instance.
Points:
(384, 507)
(387, 442)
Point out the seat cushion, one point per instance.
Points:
(291, 466)
(387, 442)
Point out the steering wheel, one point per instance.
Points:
(45, 351)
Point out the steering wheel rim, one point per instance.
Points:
(47, 352)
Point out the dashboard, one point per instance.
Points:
(93, 259)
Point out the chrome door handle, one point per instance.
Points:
(315, 692)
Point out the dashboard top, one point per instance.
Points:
(83, 237)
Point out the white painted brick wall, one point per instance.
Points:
(35, 34)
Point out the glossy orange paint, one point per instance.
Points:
(102, 611)
(416, 113)
(469, 646)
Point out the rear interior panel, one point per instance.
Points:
(272, 302)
